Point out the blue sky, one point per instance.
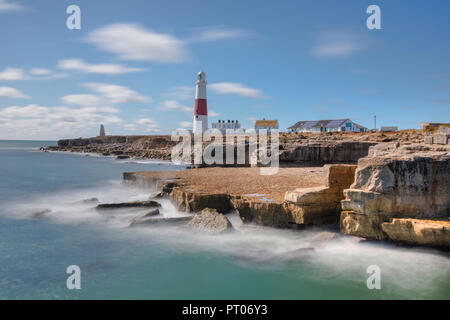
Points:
(133, 64)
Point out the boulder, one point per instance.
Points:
(134, 204)
(210, 221)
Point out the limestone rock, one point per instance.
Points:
(417, 231)
(401, 184)
(325, 151)
(210, 221)
(303, 206)
(394, 186)
(134, 204)
(166, 185)
(362, 225)
(197, 201)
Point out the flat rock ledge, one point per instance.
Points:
(153, 221)
(293, 198)
(134, 204)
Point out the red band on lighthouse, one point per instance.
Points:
(200, 107)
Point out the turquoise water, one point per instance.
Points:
(165, 262)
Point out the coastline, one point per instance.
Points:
(252, 256)
(328, 200)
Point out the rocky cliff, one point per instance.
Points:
(407, 182)
(325, 152)
(152, 147)
(315, 149)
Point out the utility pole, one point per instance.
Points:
(375, 122)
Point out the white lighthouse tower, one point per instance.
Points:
(200, 109)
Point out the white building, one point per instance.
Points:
(338, 125)
(223, 125)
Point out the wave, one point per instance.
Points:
(342, 259)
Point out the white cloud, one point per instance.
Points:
(133, 42)
(130, 127)
(115, 93)
(172, 105)
(7, 5)
(252, 118)
(40, 72)
(338, 44)
(9, 92)
(89, 101)
(236, 88)
(83, 99)
(42, 122)
(149, 124)
(30, 111)
(214, 33)
(185, 124)
(12, 74)
(101, 68)
(213, 113)
(180, 93)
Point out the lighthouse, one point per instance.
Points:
(200, 109)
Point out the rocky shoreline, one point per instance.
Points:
(123, 147)
(295, 148)
(397, 193)
(389, 187)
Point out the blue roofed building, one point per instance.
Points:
(317, 126)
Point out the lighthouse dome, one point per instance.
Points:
(201, 76)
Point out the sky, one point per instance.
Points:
(133, 64)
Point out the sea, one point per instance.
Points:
(167, 262)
